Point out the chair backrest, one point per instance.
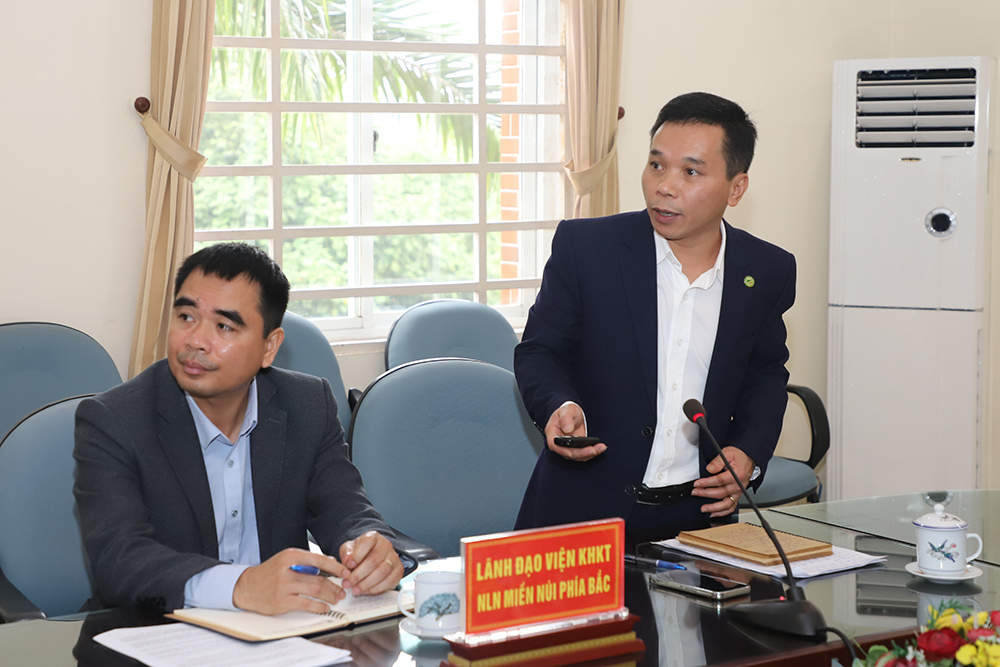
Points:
(307, 350)
(445, 448)
(42, 362)
(41, 551)
(451, 328)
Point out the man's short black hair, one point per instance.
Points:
(231, 260)
(739, 131)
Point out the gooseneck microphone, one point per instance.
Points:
(794, 615)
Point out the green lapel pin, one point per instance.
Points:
(749, 281)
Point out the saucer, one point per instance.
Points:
(409, 626)
(971, 572)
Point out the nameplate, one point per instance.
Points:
(543, 575)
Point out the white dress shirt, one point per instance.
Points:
(687, 321)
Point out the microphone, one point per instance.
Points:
(794, 615)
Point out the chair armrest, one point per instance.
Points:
(421, 552)
(13, 605)
(353, 396)
(818, 422)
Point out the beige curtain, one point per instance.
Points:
(181, 56)
(593, 72)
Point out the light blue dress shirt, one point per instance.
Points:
(231, 484)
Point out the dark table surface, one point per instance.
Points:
(677, 629)
(892, 516)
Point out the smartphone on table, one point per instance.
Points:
(700, 584)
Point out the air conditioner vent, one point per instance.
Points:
(916, 107)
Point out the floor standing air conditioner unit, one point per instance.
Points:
(909, 271)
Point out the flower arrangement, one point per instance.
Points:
(948, 640)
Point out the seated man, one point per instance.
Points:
(198, 479)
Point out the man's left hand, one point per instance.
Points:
(375, 566)
(721, 485)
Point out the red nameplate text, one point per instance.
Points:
(542, 575)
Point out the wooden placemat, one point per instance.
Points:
(750, 542)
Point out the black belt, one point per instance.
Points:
(663, 495)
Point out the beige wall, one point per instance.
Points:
(73, 173)
(775, 57)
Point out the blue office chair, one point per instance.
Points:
(307, 350)
(788, 480)
(43, 567)
(42, 362)
(445, 448)
(451, 328)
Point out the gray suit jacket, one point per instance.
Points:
(143, 494)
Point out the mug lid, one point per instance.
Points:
(939, 519)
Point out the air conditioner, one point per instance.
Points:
(909, 271)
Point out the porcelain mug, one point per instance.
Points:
(437, 602)
(941, 543)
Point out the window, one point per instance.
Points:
(387, 151)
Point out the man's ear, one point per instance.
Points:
(271, 345)
(738, 188)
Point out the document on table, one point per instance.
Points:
(182, 645)
(842, 559)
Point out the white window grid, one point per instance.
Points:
(364, 322)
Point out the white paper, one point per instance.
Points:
(842, 559)
(183, 645)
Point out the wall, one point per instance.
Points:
(775, 57)
(73, 174)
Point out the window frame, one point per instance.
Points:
(366, 323)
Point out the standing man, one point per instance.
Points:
(639, 312)
(198, 478)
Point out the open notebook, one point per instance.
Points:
(255, 627)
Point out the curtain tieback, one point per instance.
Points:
(187, 161)
(586, 180)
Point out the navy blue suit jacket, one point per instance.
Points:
(145, 505)
(591, 338)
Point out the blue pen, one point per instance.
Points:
(310, 569)
(653, 562)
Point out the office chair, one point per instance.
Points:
(445, 448)
(41, 362)
(43, 567)
(788, 480)
(307, 350)
(451, 328)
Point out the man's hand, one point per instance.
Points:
(721, 485)
(568, 420)
(373, 565)
(272, 588)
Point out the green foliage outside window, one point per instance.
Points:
(243, 202)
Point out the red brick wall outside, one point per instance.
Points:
(510, 145)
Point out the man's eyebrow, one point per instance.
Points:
(183, 301)
(689, 158)
(232, 316)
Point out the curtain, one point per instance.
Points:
(593, 73)
(181, 56)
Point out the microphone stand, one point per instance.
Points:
(793, 615)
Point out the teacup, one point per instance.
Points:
(941, 543)
(437, 602)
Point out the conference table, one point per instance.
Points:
(677, 629)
